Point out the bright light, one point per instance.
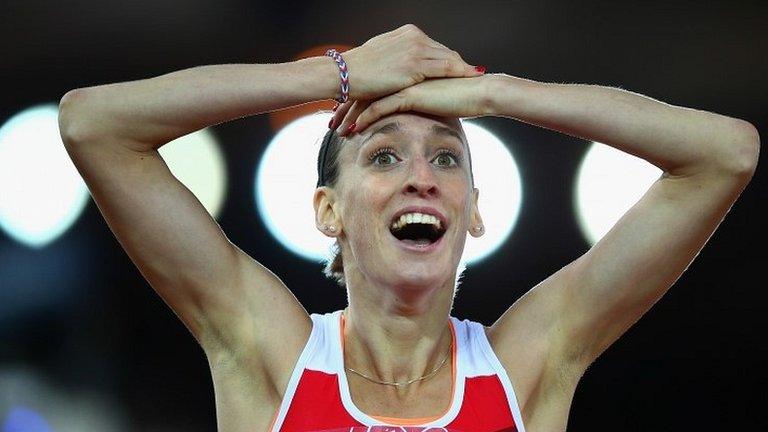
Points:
(285, 184)
(41, 192)
(498, 179)
(196, 160)
(609, 182)
(287, 174)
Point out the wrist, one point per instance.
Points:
(506, 95)
(322, 74)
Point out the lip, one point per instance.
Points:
(423, 210)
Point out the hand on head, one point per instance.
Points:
(405, 70)
(398, 59)
(446, 97)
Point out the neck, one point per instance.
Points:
(397, 334)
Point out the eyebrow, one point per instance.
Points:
(394, 127)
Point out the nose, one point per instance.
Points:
(421, 179)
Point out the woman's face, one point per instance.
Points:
(405, 164)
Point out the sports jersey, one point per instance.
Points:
(318, 399)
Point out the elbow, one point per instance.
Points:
(739, 152)
(748, 149)
(72, 117)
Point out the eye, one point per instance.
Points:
(383, 156)
(447, 158)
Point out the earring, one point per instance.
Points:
(479, 228)
(332, 228)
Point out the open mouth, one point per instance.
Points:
(417, 229)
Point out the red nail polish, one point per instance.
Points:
(330, 124)
(480, 69)
(335, 107)
(351, 128)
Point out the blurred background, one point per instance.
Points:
(86, 344)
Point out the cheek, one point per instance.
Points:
(364, 208)
(458, 197)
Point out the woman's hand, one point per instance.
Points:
(447, 97)
(398, 59)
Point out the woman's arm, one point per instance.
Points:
(151, 112)
(707, 161)
(112, 134)
(678, 140)
(228, 301)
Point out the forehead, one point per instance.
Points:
(415, 124)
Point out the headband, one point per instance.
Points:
(321, 158)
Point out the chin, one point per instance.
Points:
(421, 274)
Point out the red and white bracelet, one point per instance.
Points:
(343, 72)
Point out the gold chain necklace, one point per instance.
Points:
(407, 382)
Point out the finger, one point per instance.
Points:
(351, 115)
(441, 63)
(339, 114)
(397, 102)
(446, 68)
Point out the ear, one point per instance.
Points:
(327, 220)
(475, 220)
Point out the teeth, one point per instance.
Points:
(416, 218)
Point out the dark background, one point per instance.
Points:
(696, 361)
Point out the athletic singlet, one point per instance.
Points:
(318, 398)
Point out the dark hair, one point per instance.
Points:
(327, 175)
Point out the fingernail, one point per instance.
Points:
(480, 69)
(351, 128)
(330, 123)
(335, 107)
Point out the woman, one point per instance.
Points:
(394, 355)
